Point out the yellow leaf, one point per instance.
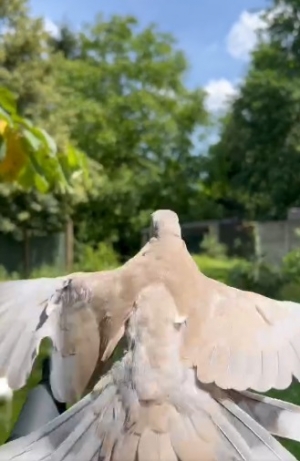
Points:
(15, 157)
(3, 125)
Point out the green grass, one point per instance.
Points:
(217, 269)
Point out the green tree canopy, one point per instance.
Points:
(137, 119)
(36, 155)
(254, 167)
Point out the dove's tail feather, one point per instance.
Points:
(98, 428)
(87, 431)
(280, 418)
(263, 446)
(71, 436)
(41, 443)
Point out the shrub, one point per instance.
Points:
(90, 259)
(256, 276)
(211, 247)
(291, 265)
(4, 275)
(290, 292)
(291, 275)
(47, 271)
(239, 273)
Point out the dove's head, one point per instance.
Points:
(165, 222)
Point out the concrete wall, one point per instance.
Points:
(274, 239)
(227, 231)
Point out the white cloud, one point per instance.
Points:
(219, 93)
(243, 37)
(51, 27)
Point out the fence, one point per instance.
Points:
(33, 251)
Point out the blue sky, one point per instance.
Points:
(216, 35)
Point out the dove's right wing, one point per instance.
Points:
(242, 340)
(60, 309)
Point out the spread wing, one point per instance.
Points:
(243, 340)
(62, 309)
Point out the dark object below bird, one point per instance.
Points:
(40, 407)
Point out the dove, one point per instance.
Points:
(150, 406)
(198, 352)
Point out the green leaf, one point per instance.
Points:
(41, 183)
(5, 116)
(7, 100)
(22, 121)
(47, 140)
(30, 178)
(33, 142)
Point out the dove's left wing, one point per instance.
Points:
(243, 340)
(70, 311)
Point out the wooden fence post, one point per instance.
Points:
(69, 245)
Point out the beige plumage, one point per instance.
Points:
(195, 346)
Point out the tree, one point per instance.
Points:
(136, 119)
(255, 164)
(27, 70)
